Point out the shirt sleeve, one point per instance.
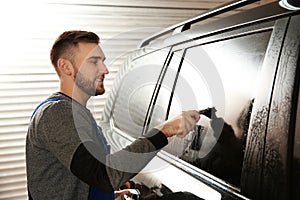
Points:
(89, 169)
(109, 172)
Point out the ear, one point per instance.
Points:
(65, 66)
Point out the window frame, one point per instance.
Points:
(280, 132)
(127, 68)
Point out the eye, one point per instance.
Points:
(95, 62)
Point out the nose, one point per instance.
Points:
(103, 69)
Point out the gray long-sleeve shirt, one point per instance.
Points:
(64, 156)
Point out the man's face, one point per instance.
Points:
(90, 69)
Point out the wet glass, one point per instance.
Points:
(222, 75)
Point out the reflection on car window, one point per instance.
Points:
(165, 91)
(135, 92)
(222, 75)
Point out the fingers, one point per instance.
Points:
(123, 192)
(180, 125)
(194, 114)
(189, 120)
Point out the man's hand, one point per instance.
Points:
(120, 193)
(180, 125)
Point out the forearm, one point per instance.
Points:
(125, 164)
(108, 173)
(89, 169)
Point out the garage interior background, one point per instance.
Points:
(28, 30)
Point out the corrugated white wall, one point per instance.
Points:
(28, 29)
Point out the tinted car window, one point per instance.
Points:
(296, 158)
(135, 92)
(222, 75)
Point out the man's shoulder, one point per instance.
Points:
(53, 105)
(62, 108)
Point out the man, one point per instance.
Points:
(66, 154)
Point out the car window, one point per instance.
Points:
(222, 75)
(296, 156)
(160, 107)
(135, 92)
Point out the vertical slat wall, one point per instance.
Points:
(28, 29)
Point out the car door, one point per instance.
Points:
(273, 168)
(233, 72)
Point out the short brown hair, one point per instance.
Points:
(67, 41)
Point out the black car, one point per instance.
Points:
(245, 68)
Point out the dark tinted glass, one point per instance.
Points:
(222, 75)
(296, 158)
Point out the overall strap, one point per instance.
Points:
(43, 102)
(95, 194)
(101, 138)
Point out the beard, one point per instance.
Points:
(88, 86)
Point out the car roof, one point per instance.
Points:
(182, 31)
